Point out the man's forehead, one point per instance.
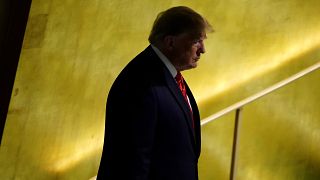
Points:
(193, 35)
(198, 34)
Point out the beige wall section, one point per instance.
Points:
(74, 49)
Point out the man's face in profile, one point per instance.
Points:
(187, 50)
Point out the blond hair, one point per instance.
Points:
(178, 20)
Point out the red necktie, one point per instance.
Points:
(182, 87)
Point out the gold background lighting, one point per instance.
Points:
(74, 49)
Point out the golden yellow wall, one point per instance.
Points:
(74, 49)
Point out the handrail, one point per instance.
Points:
(237, 107)
(260, 94)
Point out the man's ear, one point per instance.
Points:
(169, 42)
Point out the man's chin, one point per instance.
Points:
(194, 65)
(189, 66)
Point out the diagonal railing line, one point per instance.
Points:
(237, 107)
(260, 94)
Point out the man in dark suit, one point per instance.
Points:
(152, 120)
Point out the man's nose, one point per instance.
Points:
(202, 49)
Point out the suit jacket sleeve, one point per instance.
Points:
(131, 119)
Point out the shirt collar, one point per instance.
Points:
(166, 61)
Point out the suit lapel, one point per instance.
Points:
(196, 118)
(172, 85)
(175, 91)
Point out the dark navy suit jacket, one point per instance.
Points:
(148, 133)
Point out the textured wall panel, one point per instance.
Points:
(74, 49)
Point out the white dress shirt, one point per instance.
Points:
(169, 65)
